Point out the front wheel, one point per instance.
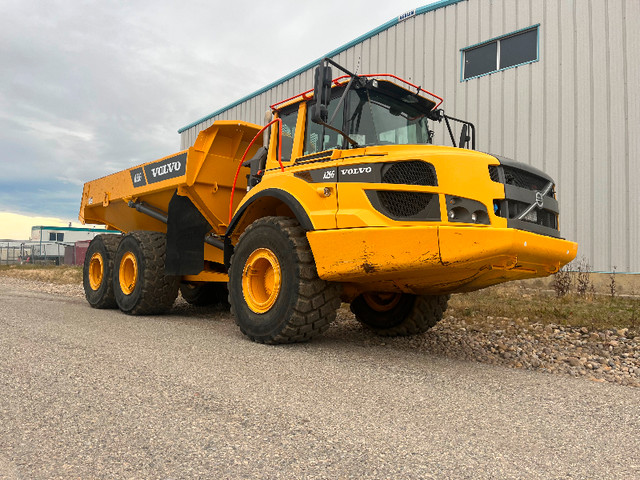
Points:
(274, 289)
(399, 314)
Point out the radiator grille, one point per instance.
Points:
(413, 172)
(524, 179)
(494, 174)
(404, 204)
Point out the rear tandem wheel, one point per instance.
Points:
(140, 284)
(97, 271)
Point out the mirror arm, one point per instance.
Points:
(328, 60)
(439, 115)
(446, 121)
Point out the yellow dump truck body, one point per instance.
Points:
(204, 173)
(375, 252)
(372, 213)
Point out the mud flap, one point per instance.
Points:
(186, 228)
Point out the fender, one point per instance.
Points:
(286, 198)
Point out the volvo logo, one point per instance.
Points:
(539, 200)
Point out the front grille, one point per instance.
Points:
(523, 179)
(514, 209)
(494, 174)
(413, 172)
(523, 189)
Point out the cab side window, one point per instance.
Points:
(317, 137)
(289, 120)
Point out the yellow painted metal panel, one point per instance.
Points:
(432, 259)
(209, 168)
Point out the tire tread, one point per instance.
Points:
(317, 301)
(159, 290)
(427, 311)
(108, 299)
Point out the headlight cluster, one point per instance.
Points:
(465, 210)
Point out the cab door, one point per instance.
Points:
(313, 170)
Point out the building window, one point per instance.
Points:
(500, 53)
(56, 237)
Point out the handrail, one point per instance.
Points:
(391, 75)
(303, 95)
(235, 179)
(370, 75)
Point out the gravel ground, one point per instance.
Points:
(89, 393)
(599, 356)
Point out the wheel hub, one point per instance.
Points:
(261, 280)
(382, 302)
(96, 271)
(128, 273)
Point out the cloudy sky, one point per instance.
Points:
(92, 87)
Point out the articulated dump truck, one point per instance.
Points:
(341, 197)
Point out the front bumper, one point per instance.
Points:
(435, 259)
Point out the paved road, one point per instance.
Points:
(97, 394)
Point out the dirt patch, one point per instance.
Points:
(59, 275)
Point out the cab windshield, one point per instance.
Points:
(377, 113)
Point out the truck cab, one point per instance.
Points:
(369, 178)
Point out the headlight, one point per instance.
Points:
(465, 210)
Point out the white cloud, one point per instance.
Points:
(14, 226)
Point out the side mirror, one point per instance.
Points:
(321, 93)
(436, 115)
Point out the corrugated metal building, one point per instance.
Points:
(552, 83)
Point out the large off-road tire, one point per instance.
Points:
(139, 283)
(97, 274)
(399, 314)
(205, 294)
(274, 289)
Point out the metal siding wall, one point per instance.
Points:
(573, 113)
(630, 25)
(567, 108)
(600, 136)
(617, 149)
(582, 122)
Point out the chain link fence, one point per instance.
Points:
(36, 253)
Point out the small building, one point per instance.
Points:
(67, 235)
(48, 243)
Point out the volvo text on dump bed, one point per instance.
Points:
(348, 200)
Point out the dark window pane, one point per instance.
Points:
(319, 138)
(480, 60)
(52, 237)
(60, 237)
(288, 133)
(313, 135)
(520, 48)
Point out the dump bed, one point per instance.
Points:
(204, 173)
